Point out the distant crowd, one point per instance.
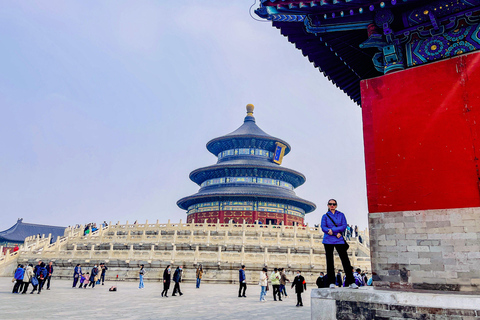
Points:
(38, 276)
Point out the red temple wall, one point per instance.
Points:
(238, 216)
(421, 136)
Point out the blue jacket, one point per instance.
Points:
(19, 273)
(241, 275)
(78, 271)
(177, 276)
(327, 224)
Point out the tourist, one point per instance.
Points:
(49, 274)
(104, 269)
(356, 231)
(242, 280)
(199, 275)
(177, 278)
(358, 278)
(263, 282)
(40, 273)
(166, 281)
(275, 280)
(77, 274)
(18, 278)
(283, 282)
(300, 285)
(321, 281)
(364, 278)
(338, 278)
(141, 273)
(27, 277)
(93, 276)
(86, 279)
(333, 224)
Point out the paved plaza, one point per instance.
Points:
(211, 301)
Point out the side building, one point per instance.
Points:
(247, 183)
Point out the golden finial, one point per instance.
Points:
(250, 108)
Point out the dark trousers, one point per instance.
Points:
(92, 283)
(17, 286)
(166, 286)
(299, 299)
(276, 291)
(102, 278)
(25, 287)
(75, 281)
(48, 281)
(283, 290)
(243, 285)
(347, 267)
(176, 288)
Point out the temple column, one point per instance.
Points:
(422, 151)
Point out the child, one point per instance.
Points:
(85, 282)
(82, 280)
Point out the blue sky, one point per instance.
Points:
(106, 108)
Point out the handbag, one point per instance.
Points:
(346, 243)
(34, 281)
(267, 288)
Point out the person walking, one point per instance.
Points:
(199, 275)
(242, 280)
(49, 274)
(166, 281)
(40, 272)
(18, 277)
(275, 280)
(27, 278)
(300, 285)
(263, 282)
(104, 269)
(333, 225)
(93, 276)
(177, 278)
(77, 274)
(283, 282)
(141, 273)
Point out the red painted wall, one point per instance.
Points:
(421, 136)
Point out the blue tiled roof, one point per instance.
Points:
(247, 135)
(21, 230)
(329, 34)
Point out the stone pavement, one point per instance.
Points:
(211, 301)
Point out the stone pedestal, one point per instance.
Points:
(367, 303)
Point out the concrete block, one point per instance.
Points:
(415, 248)
(323, 309)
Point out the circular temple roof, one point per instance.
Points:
(247, 135)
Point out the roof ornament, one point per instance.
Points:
(250, 116)
(250, 108)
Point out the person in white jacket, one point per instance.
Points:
(263, 283)
(27, 277)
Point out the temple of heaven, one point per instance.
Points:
(247, 182)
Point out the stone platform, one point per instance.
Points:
(211, 301)
(368, 303)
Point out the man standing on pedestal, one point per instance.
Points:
(333, 225)
(243, 282)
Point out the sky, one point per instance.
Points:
(106, 108)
